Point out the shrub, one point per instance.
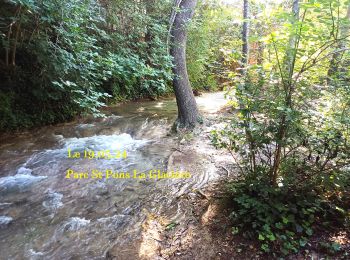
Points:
(283, 218)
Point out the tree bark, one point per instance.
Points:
(243, 72)
(7, 48)
(187, 108)
(245, 34)
(13, 59)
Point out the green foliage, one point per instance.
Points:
(210, 33)
(283, 218)
(331, 248)
(71, 57)
(290, 135)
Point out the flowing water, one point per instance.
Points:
(44, 215)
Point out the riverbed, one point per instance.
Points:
(45, 215)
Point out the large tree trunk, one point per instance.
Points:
(187, 108)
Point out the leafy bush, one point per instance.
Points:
(71, 57)
(283, 218)
(290, 135)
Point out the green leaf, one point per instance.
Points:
(235, 230)
(265, 247)
(271, 237)
(336, 246)
(285, 220)
(279, 225)
(309, 231)
(302, 242)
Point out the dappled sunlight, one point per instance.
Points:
(174, 130)
(211, 102)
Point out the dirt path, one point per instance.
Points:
(200, 228)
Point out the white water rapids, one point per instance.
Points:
(44, 215)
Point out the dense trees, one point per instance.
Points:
(290, 137)
(72, 57)
(69, 57)
(339, 34)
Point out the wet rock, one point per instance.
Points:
(5, 221)
(5, 205)
(75, 223)
(53, 201)
(24, 171)
(19, 182)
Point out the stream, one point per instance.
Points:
(45, 215)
